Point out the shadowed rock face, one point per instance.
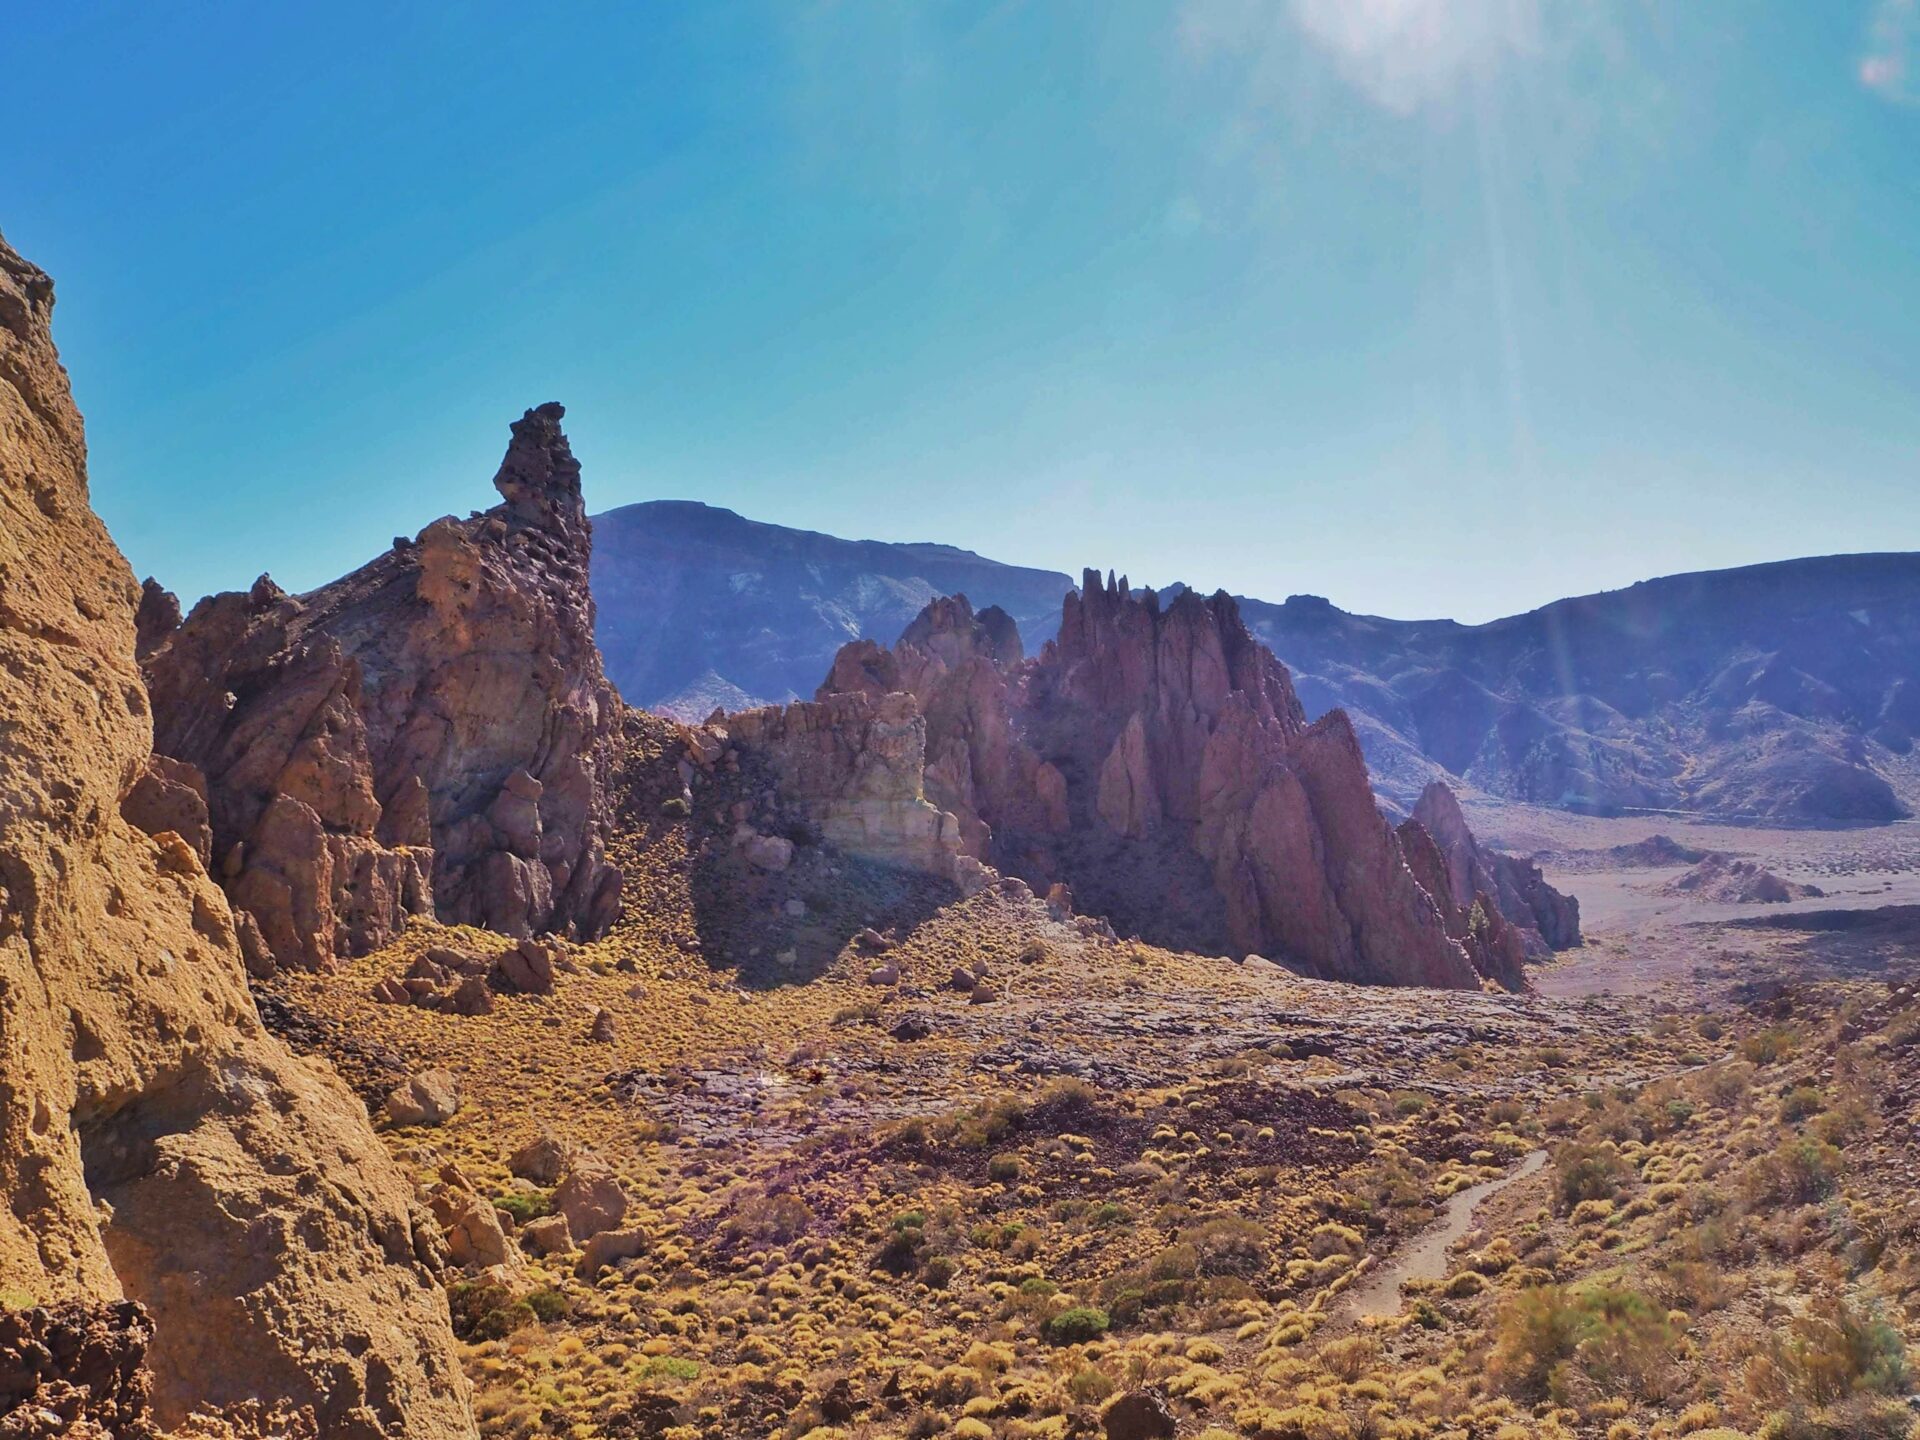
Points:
(156, 1145)
(1158, 762)
(425, 735)
(1546, 919)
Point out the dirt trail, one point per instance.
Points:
(1425, 1256)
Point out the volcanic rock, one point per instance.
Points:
(1492, 942)
(1139, 1415)
(430, 1098)
(526, 968)
(542, 1160)
(1547, 920)
(156, 1144)
(591, 1197)
(423, 736)
(1158, 762)
(1733, 881)
(475, 1237)
(609, 1247)
(548, 1235)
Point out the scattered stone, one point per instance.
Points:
(609, 1247)
(602, 1031)
(592, 1199)
(431, 1097)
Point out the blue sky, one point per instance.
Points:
(1429, 306)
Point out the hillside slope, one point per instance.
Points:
(1785, 693)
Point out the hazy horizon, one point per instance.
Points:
(1432, 309)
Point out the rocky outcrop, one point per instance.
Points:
(1491, 941)
(855, 765)
(1546, 919)
(156, 1145)
(76, 1369)
(1159, 763)
(423, 736)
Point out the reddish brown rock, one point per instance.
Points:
(526, 969)
(855, 763)
(425, 735)
(76, 1369)
(171, 795)
(591, 1197)
(1491, 941)
(1546, 919)
(1158, 761)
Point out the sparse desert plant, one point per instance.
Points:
(1798, 1171)
(1553, 1341)
(1078, 1325)
(1588, 1172)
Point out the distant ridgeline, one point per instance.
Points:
(1783, 694)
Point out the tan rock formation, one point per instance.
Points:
(425, 735)
(855, 764)
(155, 1143)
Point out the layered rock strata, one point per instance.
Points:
(156, 1145)
(423, 736)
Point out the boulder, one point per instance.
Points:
(609, 1247)
(431, 1097)
(542, 1160)
(475, 1237)
(591, 1197)
(526, 969)
(1139, 1415)
(472, 996)
(768, 852)
(549, 1235)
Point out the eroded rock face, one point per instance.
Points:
(1546, 919)
(1492, 942)
(156, 1145)
(855, 763)
(423, 736)
(1159, 763)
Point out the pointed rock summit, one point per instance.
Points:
(423, 736)
(1157, 761)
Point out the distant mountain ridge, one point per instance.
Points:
(1784, 693)
(700, 606)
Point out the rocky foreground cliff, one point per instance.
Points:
(196, 1219)
(424, 736)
